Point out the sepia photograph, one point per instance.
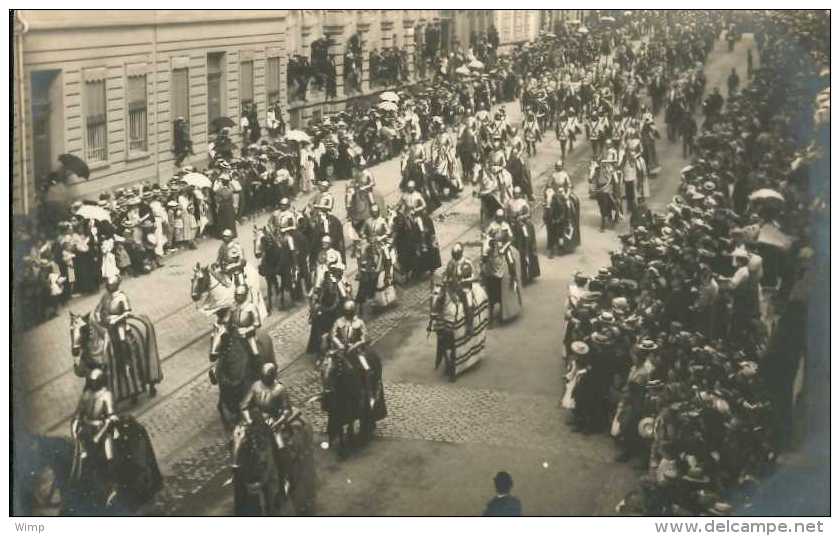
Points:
(420, 263)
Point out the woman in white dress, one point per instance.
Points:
(307, 167)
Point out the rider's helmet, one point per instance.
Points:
(269, 373)
(558, 165)
(324, 186)
(457, 251)
(498, 161)
(284, 203)
(374, 209)
(411, 185)
(241, 293)
(326, 241)
(500, 214)
(113, 283)
(517, 191)
(95, 379)
(580, 278)
(466, 272)
(227, 235)
(349, 308)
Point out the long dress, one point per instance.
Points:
(511, 284)
(226, 215)
(307, 169)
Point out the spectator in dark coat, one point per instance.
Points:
(503, 504)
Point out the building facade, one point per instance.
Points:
(107, 86)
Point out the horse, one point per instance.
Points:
(237, 369)
(561, 214)
(215, 290)
(135, 370)
(375, 275)
(324, 309)
(601, 188)
(315, 232)
(417, 252)
(257, 487)
(525, 240)
(134, 476)
(461, 332)
(283, 270)
(346, 398)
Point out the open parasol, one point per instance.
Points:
(197, 179)
(221, 122)
(388, 106)
(771, 235)
(475, 64)
(75, 164)
(389, 96)
(583, 30)
(297, 135)
(93, 212)
(766, 194)
(463, 70)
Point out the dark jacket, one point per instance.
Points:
(506, 506)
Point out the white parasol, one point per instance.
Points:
(475, 64)
(197, 179)
(93, 212)
(389, 96)
(388, 106)
(297, 135)
(766, 194)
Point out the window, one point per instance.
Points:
(96, 121)
(246, 83)
(215, 85)
(272, 80)
(136, 100)
(180, 94)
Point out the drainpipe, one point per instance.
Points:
(22, 102)
(155, 89)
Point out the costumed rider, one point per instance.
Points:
(228, 245)
(377, 230)
(414, 205)
(92, 427)
(241, 321)
(349, 337)
(559, 182)
(499, 224)
(518, 207)
(459, 276)
(270, 398)
(363, 185)
(327, 257)
(324, 199)
(283, 223)
(113, 310)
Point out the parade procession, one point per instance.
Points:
(358, 262)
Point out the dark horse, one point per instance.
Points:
(262, 468)
(525, 240)
(417, 252)
(80, 487)
(237, 370)
(346, 398)
(324, 309)
(257, 485)
(561, 214)
(284, 270)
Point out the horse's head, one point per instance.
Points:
(259, 239)
(200, 282)
(78, 334)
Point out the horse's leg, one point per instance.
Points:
(269, 284)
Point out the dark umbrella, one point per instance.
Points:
(221, 122)
(75, 164)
